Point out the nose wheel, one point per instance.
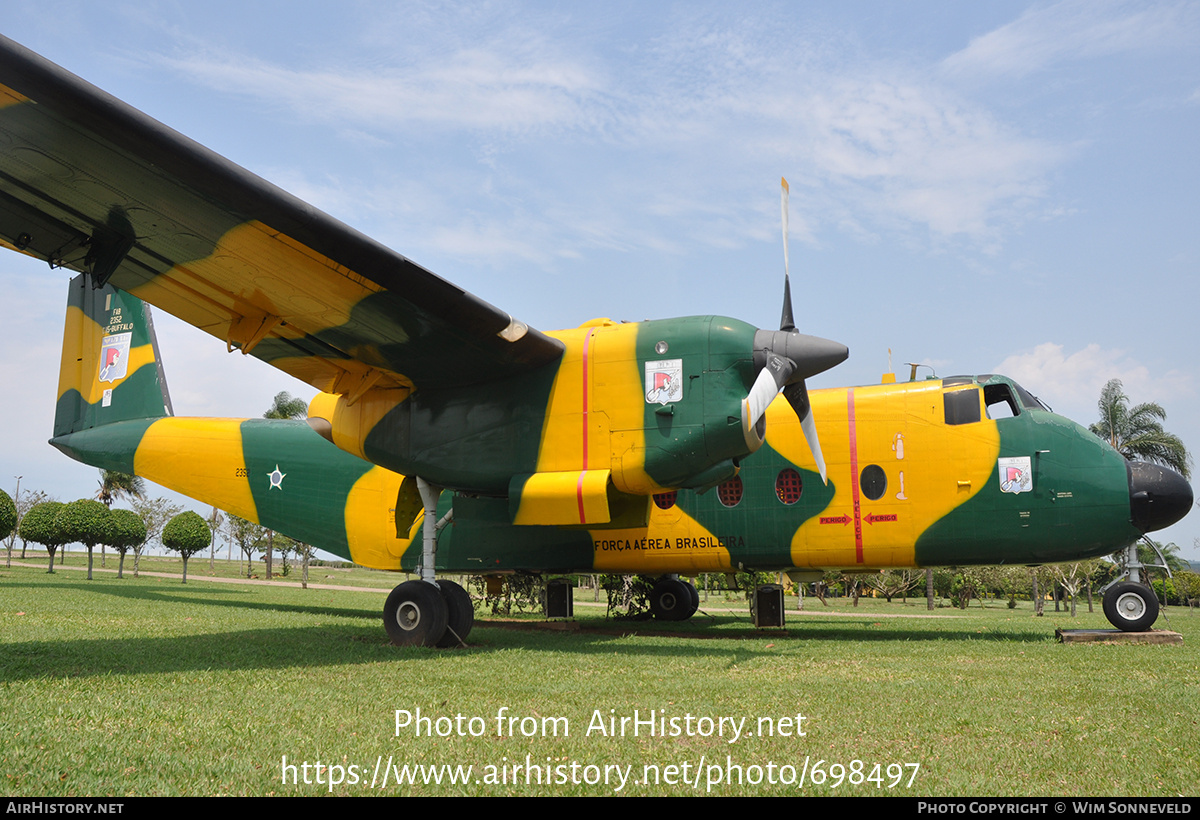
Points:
(1130, 607)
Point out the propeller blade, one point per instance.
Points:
(797, 397)
(761, 394)
(775, 373)
(786, 322)
(785, 358)
(783, 204)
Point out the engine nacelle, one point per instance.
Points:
(630, 410)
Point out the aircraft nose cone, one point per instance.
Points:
(811, 354)
(1158, 496)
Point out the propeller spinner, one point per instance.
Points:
(784, 359)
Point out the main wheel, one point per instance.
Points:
(461, 614)
(415, 614)
(670, 600)
(1131, 607)
(695, 595)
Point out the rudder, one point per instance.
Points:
(111, 370)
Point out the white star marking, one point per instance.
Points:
(276, 478)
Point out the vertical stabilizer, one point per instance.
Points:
(111, 370)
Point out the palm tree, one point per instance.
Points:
(286, 406)
(113, 486)
(1137, 433)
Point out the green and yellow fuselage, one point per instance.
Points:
(589, 470)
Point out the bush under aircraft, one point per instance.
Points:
(450, 437)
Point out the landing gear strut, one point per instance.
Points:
(429, 612)
(1129, 605)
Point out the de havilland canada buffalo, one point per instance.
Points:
(450, 437)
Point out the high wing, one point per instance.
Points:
(91, 184)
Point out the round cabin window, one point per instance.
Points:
(873, 482)
(788, 486)
(730, 492)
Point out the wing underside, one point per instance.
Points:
(91, 184)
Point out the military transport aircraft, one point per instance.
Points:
(450, 437)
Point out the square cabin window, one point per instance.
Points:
(962, 406)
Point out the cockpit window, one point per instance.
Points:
(962, 406)
(1000, 402)
(1030, 401)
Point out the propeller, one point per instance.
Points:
(785, 358)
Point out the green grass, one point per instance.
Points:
(149, 687)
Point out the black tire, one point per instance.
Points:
(415, 614)
(460, 615)
(695, 598)
(670, 600)
(1131, 607)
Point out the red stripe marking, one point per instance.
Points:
(858, 545)
(587, 345)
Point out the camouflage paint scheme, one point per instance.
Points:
(942, 501)
(557, 447)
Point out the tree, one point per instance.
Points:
(8, 520)
(129, 531)
(38, 526)
(1170, 553)
(216, 523)
(286, 406)
(1188, 584)
(305, 551)
(25, 502)
(247, 535)
(186, 534)
(155, 513)
(893, 582)
(1072, 577)
(114, 486)
(87, 521)
(1137, 433)
(285, 545)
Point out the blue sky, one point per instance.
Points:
(981, 187)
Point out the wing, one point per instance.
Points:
(91, 184)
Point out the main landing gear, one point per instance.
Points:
(429, 612)
(673, 599)
(421, 613)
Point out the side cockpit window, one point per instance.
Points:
(962, 406)
(1030, 401)
(1000, 402)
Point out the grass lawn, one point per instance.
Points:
(149, 687)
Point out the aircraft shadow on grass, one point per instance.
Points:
(341, 644)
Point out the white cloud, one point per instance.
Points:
(703, 110)
(913, 152)
(1074, 29)
(1071, 383)
(508, 89)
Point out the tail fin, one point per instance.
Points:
(111, 370)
